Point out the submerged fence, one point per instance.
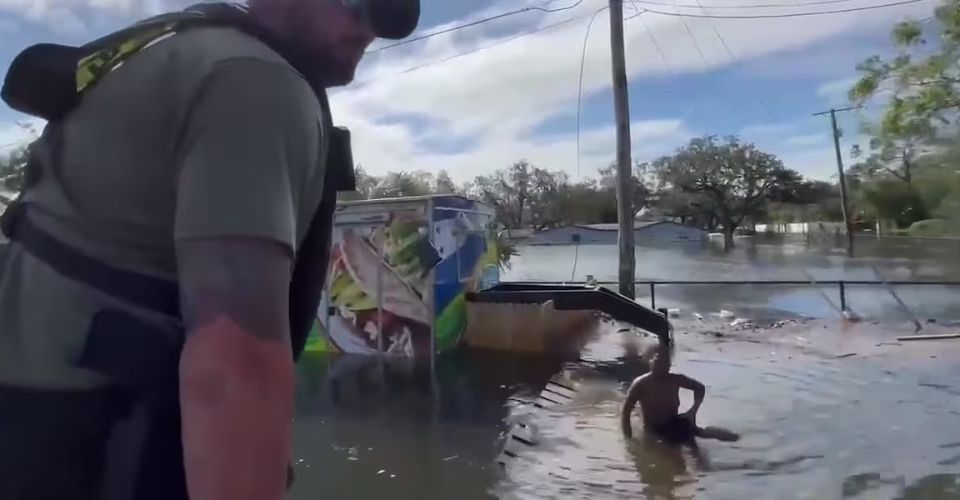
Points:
(840, 284)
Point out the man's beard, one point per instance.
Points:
(318, 60)
(326, 69)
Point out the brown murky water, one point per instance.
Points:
(826, 412)
(814, 425)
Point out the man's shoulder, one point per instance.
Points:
(641, 380)
(195, 53)
(215, 44)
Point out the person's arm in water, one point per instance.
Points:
(699, 391)
(247, 150)
(633, 396)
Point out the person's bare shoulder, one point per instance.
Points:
(640, 382)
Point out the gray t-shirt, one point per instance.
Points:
(208, 133)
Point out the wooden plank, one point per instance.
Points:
(930, 337)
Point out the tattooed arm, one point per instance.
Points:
(248, 156)
(236, 370)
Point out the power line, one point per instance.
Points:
(693, 39)
(656, 45)
(491, 45)
(654, 11)
(583, 58)
(733, 57)
(475, 23)
(777, 16)
(645, 2)
(747, 6)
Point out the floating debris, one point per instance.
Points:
(725, 314)
(698, 316)
(851, 316)
(740, 322)
(451, 457)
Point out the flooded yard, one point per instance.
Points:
(824, 412)
(826, 409)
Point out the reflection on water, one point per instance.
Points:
(812, 428)
(898, 260)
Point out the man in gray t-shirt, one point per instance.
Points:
(200, 160)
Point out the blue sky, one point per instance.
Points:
(515, 97)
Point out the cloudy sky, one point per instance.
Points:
(476, 100)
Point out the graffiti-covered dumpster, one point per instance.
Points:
(398, 273)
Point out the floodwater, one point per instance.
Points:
(894, 260)
(484, 425)
(812, 427)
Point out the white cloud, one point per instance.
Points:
(835, 92)
(67, 16)
(494, 99)
(383, 148)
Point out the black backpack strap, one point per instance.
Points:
(149, 292)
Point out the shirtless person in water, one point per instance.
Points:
(658, 393)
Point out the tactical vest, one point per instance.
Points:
(49, 81)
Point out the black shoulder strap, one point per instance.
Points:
(142, 290)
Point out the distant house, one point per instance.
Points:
(662, 231)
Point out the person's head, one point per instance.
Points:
(661, 359)
(334, 34)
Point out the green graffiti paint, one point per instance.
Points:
(450, 323)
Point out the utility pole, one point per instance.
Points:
(624, 160)
(843, 180)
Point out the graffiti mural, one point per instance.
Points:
(467, 247)
(398, 274)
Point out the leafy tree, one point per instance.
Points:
(444, 184)
(895, 201)
(12, 169)
(925, 83)
(641, 183)
(895, 148)
(736, 180)
(399, 184)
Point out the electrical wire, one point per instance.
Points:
(747, 6)
(686, 28)
(577, 4)
(733, 57)
(490, 45)
(583, 58)
(657, 46)
(780, 16)
(475, 23)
